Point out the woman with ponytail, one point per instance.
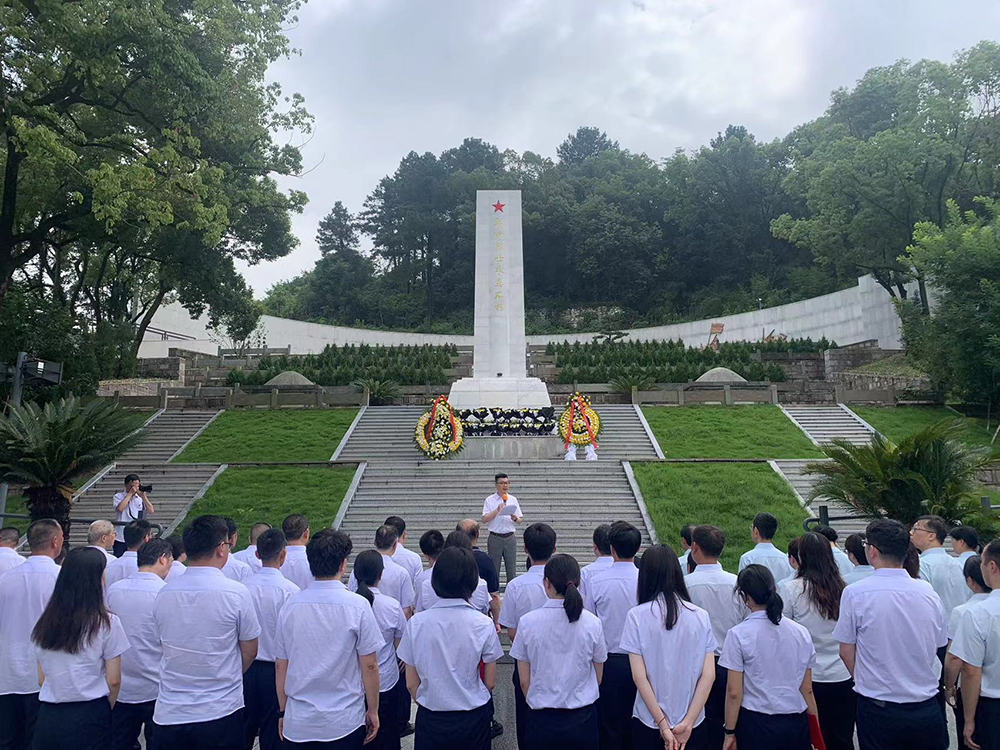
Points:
(769, 698)
(391, 621)
(560, 653)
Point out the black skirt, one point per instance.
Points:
(450, 730)
(81, 725)
(757, 731)
(562, 729)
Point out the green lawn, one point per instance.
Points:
(897, 422)
(249, 495)
(272, 435)
(749, 431)
(16, 504)
(724, 495)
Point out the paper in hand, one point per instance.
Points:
(508, 510)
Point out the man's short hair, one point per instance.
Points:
(686, 531)
(257, 529)
(176, 545)
(9, 536)
(793, 549)
(890, 538)
(326, 552)
(602, 539)
(397, 523)
(470, 527)
(294, 526)
(98, 529)
(966, 534)
(937, 525)
(710, 539)
(540, 541)
(42, 532)
(990, 553)
(766, 525)
(498, 477)
(269, 544)
(136, 532)
(431, 543)
(455, 575)
(828, 531)
(385, 537)
(152, 551)
(458, 539)
(129, 478)
(203, 535)
(855, 544)
(625, 539)
(231, 526)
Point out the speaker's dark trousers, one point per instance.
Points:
(614, 708)
(838, 706)
(883, 725)
(128, 720)
(354, 741)
(17, 720)
(503, 547)
(260, 712)
(225, 733)
(81, 725)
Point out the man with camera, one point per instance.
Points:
(130, 504)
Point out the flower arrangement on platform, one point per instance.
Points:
(496, 422)
(579, 423)
(439, 432)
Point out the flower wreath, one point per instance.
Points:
(439, 433)
(579, 423)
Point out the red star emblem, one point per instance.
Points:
(498, 206)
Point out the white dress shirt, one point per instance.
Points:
(683, 560)
(480, 599)
(109, 557)
(176, 569)
(121, 568)
(897, 624)
(296, 567)
(395, 582)
(610, 595)
(602, 562)
(249, 556)
(956, 614)
(236, 570)
(674, 658)
(844, 564)
(201, 617)
(70, 678)
(391, 623)
(773, 660)
(24, 593)
(977, 642)
(131, 512)
(501, 524)
(772, 558)
(418, 587)
(132, 600)
(801, 609)
(522, 595)
(860, 573)
(9, 559)
(714, 590)
(945, 575)
(269, 591)
(562, 656)
(963, 556)
(445, 645)
(408, 560)
(322, 631)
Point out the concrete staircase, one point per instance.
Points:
(802, 483)
(384, 434)
(824, 424)
(622, 434)
(166, 433)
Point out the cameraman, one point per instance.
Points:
(130, 505)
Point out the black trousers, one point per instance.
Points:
(987, 734)
(402, 703)
(17, 720)
(225, 733)
(260, 712)
(562, 729)
(838, 706)
(614, 708)
(520, 710)
(453, 730)
(887, 726)
(757, 731)
(128, 720)
(644, 738)
(715, 711)
(388, 714)
(354, 741)
(82, 725)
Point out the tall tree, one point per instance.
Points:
(584, 144)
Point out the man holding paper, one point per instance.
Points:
(500, 512)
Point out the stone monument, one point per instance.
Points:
(499, 373)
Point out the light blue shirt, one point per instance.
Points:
(770, 557)
(859, 573)
(714, 590)
(956, 614)
(962, 557)
(523, 594)
(610, 595)
(602, 562)
(844, 564)
(977, 641)
(944, 573)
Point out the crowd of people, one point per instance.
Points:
(194, 646)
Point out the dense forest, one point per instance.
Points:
(613, 238)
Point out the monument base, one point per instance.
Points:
(512, 448)
(502, 393)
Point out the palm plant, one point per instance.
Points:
(380, 392)
(625, 380)
(928, 472)
(46, 448)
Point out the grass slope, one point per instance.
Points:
(750, 431)
(272, 435)
(897, 422)
(724, 495)
(249, 495)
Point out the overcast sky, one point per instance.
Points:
(383, 78)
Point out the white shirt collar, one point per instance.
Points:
(274, 572)
(934, 551)
(43, 560)
(327, 584)
(709, 566)
(765, 545)
(448, 603)
(204, 570)
(553, 604)
(8, 551)
(897, 572)
(146, 576)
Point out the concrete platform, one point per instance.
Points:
(519, 446)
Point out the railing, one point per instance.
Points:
(157, 528)
(824, 518)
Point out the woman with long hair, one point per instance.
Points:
(560, 653)
(812, 599)
(671, 648)
(78, 644)
(770, 660)
(391, 621)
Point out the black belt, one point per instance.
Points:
(502, 536)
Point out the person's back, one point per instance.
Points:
(712, 589)
(9, 557)
(942, 571)
(480, 600)
(764, 552)
(602, 555)
(396, 580)
(237, 570)
(406, 559)
(296, 566)
(132, 600)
